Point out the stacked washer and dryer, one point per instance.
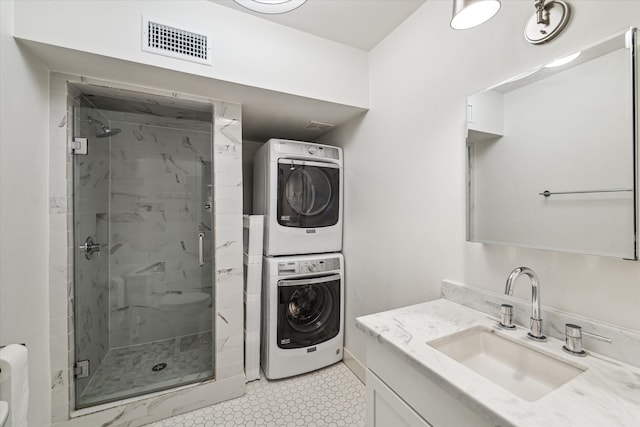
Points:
(298, 187)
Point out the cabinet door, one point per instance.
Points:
(385, 408)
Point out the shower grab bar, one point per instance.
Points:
(201, 249)
(547, 193)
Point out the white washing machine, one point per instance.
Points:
(298, 187)
(303, 313)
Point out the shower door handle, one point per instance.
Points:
(201, 249)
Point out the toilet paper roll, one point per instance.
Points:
(14, 368)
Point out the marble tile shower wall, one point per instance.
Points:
(92, 275)
(160, 180)
(227, 247)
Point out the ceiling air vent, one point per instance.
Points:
(318, 126)
(168, 40)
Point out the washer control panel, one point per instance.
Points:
(308, 266)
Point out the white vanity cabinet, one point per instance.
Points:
(386, 408)
(412, 382)
(400, 395)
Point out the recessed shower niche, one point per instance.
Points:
(143, 243)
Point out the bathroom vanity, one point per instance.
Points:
(413, 378)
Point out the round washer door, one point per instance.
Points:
(308, 308)
(308, 314)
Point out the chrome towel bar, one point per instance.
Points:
(547, 193)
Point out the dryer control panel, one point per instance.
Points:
(307, 149)
(308, 266)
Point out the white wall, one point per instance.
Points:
(246, 49)
(405, 169)
(24, 211)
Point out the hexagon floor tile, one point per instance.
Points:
(329, 397)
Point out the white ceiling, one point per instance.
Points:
(358, 23)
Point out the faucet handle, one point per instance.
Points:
(506, 316)
(573, 339)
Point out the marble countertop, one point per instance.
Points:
(606, 394)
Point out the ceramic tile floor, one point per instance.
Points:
(187, 359)
(329, 397)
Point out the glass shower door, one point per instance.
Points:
(143, 250)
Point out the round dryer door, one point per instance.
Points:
(308, 194)
(308, 191)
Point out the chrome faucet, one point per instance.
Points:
(535, 322)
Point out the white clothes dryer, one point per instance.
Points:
(303, 313)
(298, 187)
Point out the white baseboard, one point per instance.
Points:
(354, 365)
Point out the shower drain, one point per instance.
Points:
(159, 367)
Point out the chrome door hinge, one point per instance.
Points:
(81, 369)
(79, 146)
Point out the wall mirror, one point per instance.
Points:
(551, 155)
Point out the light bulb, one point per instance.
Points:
(470, 13)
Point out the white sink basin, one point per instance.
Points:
(523, 371)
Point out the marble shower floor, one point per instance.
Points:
(332, 396)
(127, 371)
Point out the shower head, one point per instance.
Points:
(106, 130)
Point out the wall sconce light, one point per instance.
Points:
(548, 21)
(471, 13)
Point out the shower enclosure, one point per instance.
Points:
(143, 233)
